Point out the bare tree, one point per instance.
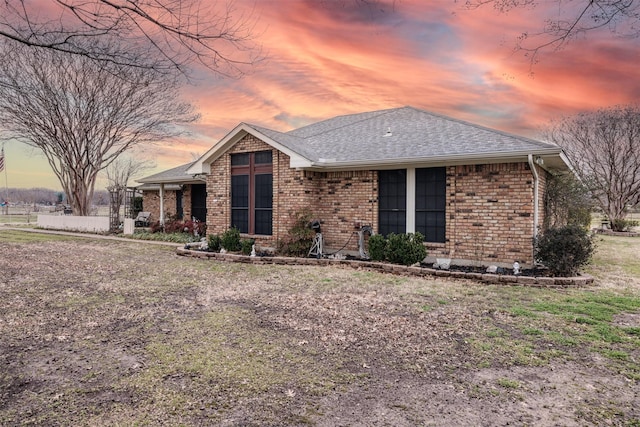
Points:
(163, 35)
(604, 147)
(120, 171)
(570, 20)
(82, 114)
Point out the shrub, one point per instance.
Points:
(174, 226)
(623, 224)
(230, 240)
(156, 227)
(246, 245)
(300, 238)
(567, 201)
(163, 237)
(194, 228)
(215, 243)
(564, 250)
(405, 249)
(377, 247)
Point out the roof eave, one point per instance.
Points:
(187, 179)
(433, 161)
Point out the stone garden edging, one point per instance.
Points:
(539, 282)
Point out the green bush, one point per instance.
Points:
(246, 245)
(377, 247)
(230, 240)
(564, 250)
(623, 224)
(300, 238)
(405, 249)
(567, 201)
(215, 243)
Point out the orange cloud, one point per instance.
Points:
(327, 58)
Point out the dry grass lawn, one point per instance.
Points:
(115, 333)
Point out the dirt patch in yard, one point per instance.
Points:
(118, 333)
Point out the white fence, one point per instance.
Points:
(93, 224)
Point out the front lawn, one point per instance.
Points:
(101, 332)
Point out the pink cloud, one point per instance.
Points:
(327, 58)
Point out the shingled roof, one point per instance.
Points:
(394, 137)
(177, 175)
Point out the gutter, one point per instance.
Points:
(464, 158)
(536, 196)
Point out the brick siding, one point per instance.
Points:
(151, 203)
(490, 212)
(489, 208)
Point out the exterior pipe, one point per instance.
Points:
(536, 197)
(162, 203)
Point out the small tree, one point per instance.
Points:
(567, 202)
(120, 171)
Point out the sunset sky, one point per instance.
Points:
(327, 58)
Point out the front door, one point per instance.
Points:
(199, 202)
(179, 209)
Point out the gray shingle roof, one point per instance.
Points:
(414, 134)
(177, 174)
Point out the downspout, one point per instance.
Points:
(536, 197)
(162, 204)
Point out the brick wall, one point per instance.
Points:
(338, 199)
(490, 212)
(489, 207)
(219, 188)
(345, 201)
(151, 203)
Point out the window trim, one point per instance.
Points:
(442, 211)
(251, 170)
(411, 202)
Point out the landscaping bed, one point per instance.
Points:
(456, 272)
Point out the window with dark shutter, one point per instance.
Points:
(252, 192)
(431, 203)
(392, 201)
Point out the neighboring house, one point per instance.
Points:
(476, 194)
(174, 194)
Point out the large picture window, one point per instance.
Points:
(413, 200)
(252, 192)
(431, 203)
(392, 201)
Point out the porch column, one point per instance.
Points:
(411, 200)
(162, 204)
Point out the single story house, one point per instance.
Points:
(475, 193)
(174, 194)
